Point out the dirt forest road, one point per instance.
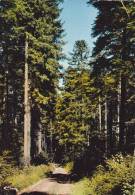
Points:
(57, 184)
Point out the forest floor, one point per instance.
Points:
(58, 183)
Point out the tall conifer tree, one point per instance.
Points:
(40, 20)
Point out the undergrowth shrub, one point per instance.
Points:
(81, 187)
(7, 167)
(69, 167)
(116, 178)
(10, 175)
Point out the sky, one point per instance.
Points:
(78, 18)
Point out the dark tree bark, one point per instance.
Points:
(122, 113)
(100, 115)
(122, 104)
(110, 129)
(106, 125)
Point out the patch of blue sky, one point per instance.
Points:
(78, 18)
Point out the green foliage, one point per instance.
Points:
(69, 167)
(117, 177)
(75, 104)
(40, 21)
(80, 55)
(28, 176)
(6, 167)
(81, 187)
(113, 72)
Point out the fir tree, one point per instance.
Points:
(113, 56)
(40, 21)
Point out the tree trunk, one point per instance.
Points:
(123, 81)
(6, 119)
(27, 114)
(118, 110)
(122, 112)
(51, 139)
(110, 129)
(106, 126)
(100, 115)
(2, 112)
(39, 141)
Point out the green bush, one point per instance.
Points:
(20, 178)
(69, 167)
(6, 168)
(113, 178)
(81, 187)
(116, 178)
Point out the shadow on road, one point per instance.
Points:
(63, 178)
(58, 178)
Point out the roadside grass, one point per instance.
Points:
(69, 167)
(28, 176)
(81, 187)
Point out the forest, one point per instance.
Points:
(81, 117)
